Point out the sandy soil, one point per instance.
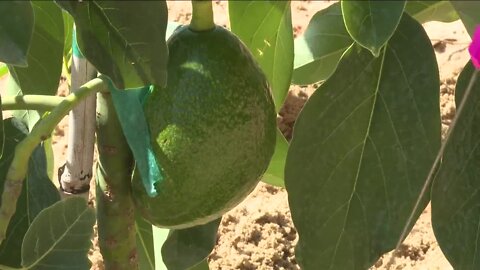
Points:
(259, 233)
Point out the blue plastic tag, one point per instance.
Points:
(129, 107)
(75, 50)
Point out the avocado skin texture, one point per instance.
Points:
(213, 130)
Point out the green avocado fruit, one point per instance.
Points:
(213, 130)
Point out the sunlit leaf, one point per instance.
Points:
(319, 49)
(16, 20)
(371, 23)
(123, 39)
(43, 72)
(68, 30)
(431, 10)
(44, 57)
(2, 131)
(275, 172)
(3, 69)
(266, 28)
(49, 155)
(361, 151)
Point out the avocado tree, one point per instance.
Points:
(185, 129)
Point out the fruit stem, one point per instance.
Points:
(41, 131)
(202, 15)
(115, 210)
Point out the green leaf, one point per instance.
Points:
(42, 75)
(275, 172)
(371, 23)
(16, 21)
(49, 155)
(361, 151)
(38, 192)
(9, 249)
(124, 40)
(2, 130)
(455, 192)
(188, 247)
(266, 28)
(319, 49)
(68, 30)
(44, 70)
(145, 248)
(150, 239)
(468, 11)
(3, 69)
(28, 117)
(59, 238)
(431, 10)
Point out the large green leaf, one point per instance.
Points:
(266, 28)
(275, 172)
(186, 248)
(431, 10)
(455, 192)
(123, 39)
(45, 53)
(468, 11)
(371, 23)
(68, 30)
(16, 27)
(38, 192)
(319, 49)
(59, 238)
(362, 149)
(9, 255)
(45, 60)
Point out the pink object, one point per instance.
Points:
(474, 48)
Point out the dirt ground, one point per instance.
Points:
(259, 234)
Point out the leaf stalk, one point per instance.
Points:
(31, 102)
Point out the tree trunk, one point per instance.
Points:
(115, 211)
